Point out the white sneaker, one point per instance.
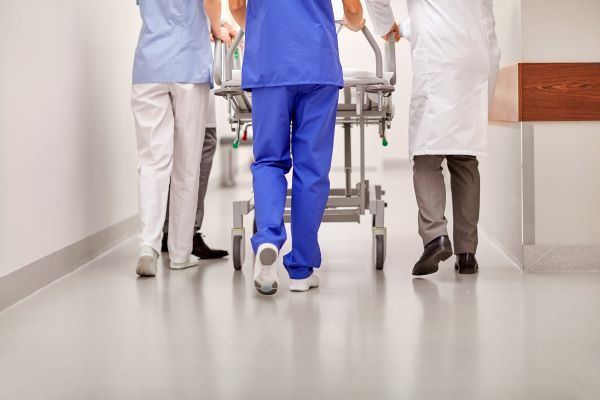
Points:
(191, 262)
(304, 285)
(266, 277)
(147, 261)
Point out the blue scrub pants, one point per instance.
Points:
(310, 110)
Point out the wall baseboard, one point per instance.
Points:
(561, 258)
(25, 281)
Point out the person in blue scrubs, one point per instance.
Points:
(292, 67)
(172, 77)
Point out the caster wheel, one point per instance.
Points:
(379, 252)
(237, 253)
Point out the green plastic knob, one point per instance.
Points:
(236, 54)
(384, 142)
(236, 144)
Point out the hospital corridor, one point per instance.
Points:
(316, 199)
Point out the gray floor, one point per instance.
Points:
(203, 333)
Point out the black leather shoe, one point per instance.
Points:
(466, 263)
(164, 246)
(202, 250)
(439, 249)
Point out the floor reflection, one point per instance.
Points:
(447, 345)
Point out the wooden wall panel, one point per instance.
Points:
(560, 92)
(547, 92)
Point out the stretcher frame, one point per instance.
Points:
(372, 105)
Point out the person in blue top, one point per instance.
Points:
(172, 78)
(292, 66)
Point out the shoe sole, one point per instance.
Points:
(303, 288)
(466, 271)
(432, 266)
(211, 257)
(267, 256)
(268, 289)
(142, 272)
(180, 267)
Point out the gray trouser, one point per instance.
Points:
(431, 199)
(208, 153)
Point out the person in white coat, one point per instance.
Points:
(455, 59)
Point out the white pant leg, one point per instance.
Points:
(190, 107)
(155, 126)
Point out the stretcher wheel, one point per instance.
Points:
(379, 251)
(237, 253)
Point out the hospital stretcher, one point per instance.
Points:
(366, 100)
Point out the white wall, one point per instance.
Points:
(561, 31)
(567, 162)
(501, 169)
(566, 154)
(67, 145)
(567, 158)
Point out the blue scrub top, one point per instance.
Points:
(174, 44)
(291, 42)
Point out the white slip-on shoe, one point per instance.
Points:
(191, 262)
(266, 277)
(147, 261)
(304, 285)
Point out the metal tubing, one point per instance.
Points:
(238, 129)
(359, 101)
(528, 182)
(376, 50)
(240, 208)
(348, 157)
(374, 46)
(334, 202)
(328, 216)
(377, 208)
(390, 60)
(246, 102)
(341, 192)
(360, 95)
(236, 106)
(230, 53)
(229, 108)
(218, 62)
(226, 167)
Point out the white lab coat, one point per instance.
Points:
(455, 59)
